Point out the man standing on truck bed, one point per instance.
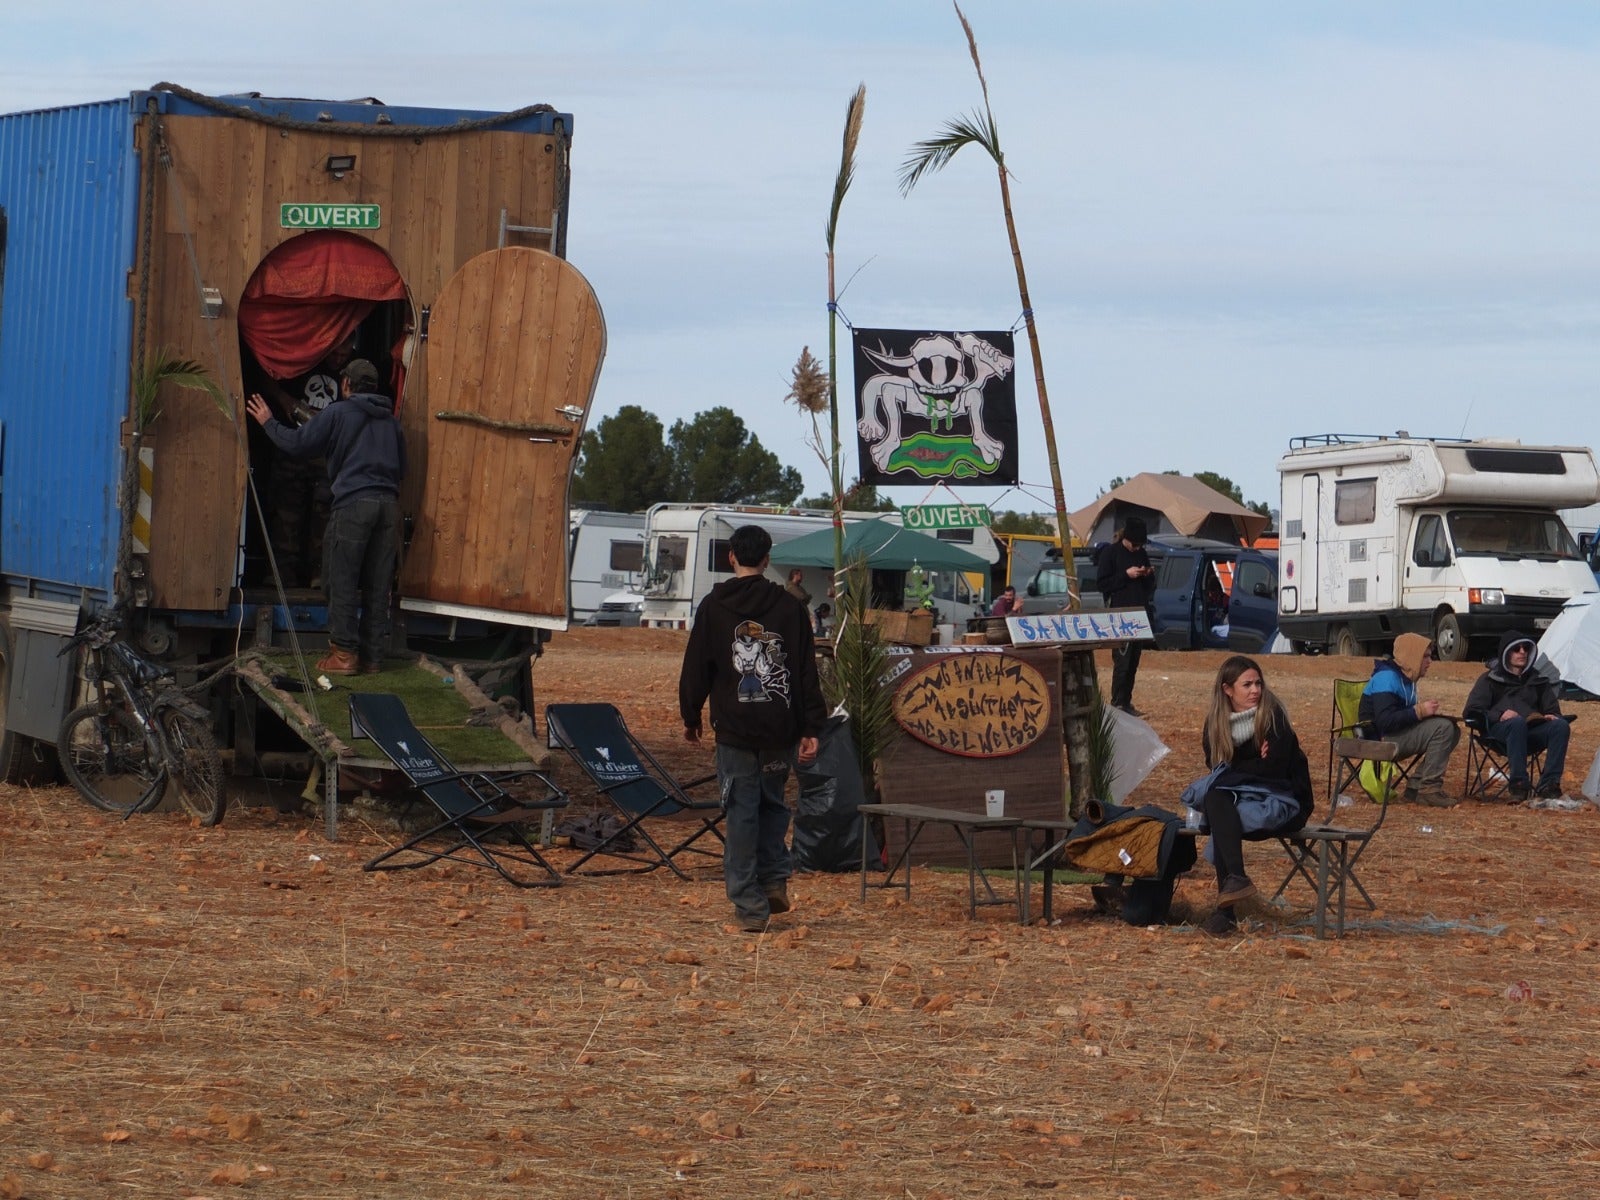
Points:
(751, 653)
(1122, 569)
(366, 452)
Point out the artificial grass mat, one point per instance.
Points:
(437, 709)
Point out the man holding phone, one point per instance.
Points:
(1122, 569)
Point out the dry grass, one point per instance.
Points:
(190, 1011)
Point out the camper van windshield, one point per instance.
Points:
(1511, 533)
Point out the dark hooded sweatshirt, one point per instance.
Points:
(361, 438)
(751, 653)
(1536, 690)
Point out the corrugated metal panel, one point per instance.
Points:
(68, 187)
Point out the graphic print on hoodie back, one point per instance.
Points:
(758, 659)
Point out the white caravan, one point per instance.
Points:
(607, 556)
(686, 555)
(1456, 540)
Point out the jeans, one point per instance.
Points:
(1518, 737)
(358, 558)
(1124, 666)
(1433, 738)
(756, 856)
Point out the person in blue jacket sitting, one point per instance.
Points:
(1390, 711)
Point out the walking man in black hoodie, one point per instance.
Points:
(366, 453)
(751, 653)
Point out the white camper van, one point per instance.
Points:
(1456, 540)
(607, 556)
(686, 555)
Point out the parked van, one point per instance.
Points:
(1198, 603)
(1457, 540)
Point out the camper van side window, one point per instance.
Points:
(1432, 550)
(719, 564)
(1355, 502)
(627, 556)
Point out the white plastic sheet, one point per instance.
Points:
(1138, 750)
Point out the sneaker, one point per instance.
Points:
(1549, 791)
(1219, 924)
(1234, 889)
(1436, 797)
(778, 899)
(339, 662)
(1129, 709)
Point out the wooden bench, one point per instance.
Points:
(966, 826)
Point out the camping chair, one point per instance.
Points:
(1325, 853)
(1488, 770)
(597, 738)
(475, 809)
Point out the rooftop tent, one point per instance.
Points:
(884, 545)
(1177, 504)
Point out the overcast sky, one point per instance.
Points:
(1242, 221)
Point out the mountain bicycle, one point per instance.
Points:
(141, 730)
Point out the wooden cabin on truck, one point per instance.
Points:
(262, 239)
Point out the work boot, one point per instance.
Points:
(1436, 797)
(777, 898)
(339, 662)
(1549, 791)
(1517, 793)
(371, 668)
(1234, 889)
(751, 924)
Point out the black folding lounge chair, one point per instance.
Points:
(628, 775)
(476, 810)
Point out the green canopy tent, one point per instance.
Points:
(885, 545)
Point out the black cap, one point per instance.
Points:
(1133, 530)
(362, 375)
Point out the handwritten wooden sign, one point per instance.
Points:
(975, 705)
(1091, 628)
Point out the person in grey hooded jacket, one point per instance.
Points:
(360, 437)
(1518, 701)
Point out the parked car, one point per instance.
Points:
(619, 608)
(1193, 608)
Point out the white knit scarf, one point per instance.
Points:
(1242, 725)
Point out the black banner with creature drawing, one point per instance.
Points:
(936, 406)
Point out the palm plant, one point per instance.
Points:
(854, 112)
(854, 679)
(932, 155)
(164, 368)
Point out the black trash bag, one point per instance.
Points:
(828, 829)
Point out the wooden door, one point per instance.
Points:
(516, 336)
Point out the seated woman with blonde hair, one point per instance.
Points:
(1260, 782)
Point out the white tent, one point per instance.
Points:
(1572, 644)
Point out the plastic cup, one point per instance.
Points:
(994, 802)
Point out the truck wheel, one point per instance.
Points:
(22, 759)
(1345, 642)
(1448, 644)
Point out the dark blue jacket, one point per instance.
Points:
(361, 438)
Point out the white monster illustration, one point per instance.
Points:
(942, 378)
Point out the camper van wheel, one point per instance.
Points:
(1448, 644)
(1345, 642)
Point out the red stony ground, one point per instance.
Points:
(192, 1012)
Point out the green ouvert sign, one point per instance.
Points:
(947, 516)
(329, 216)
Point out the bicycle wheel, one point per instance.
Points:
(107, 755)
(194, 760)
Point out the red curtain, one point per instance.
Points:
(311, 293)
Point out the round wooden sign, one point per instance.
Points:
(975, 705)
